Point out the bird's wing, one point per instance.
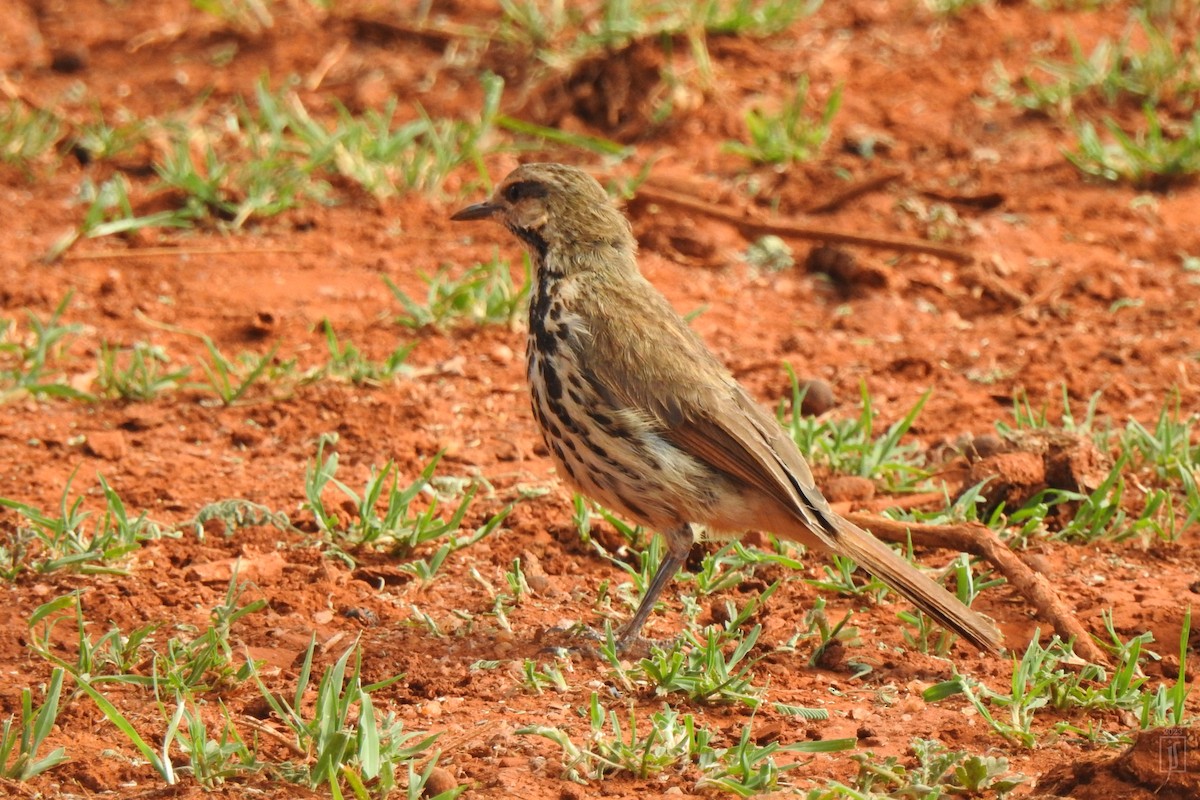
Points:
(705, 412)
(739, 438)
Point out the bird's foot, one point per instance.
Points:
(609, 645)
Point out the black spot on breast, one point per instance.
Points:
(553, 384)
(565, 464)
(558, 410)
(539, 308)
(552, 429)
(611, 426)
(576, 398)
(543, 340)
(632, 508)
(540, 305)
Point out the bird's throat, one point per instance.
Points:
(534, 240)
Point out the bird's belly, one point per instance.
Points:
(612, 455)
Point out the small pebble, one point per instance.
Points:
(440, 781)
(848, 489)
(501, 354)
(818, 397)
(535, 575)
(108, 445)
(984, 446)
(69, 60)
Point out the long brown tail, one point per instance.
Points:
(881, 561)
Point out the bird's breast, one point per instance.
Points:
(611, 453)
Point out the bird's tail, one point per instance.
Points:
(881, 561)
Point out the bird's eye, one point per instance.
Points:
(521, 190)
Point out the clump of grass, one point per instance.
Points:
(345, 740)
(45, 541)
(789, 134)
(1147, 159)
(233, 514)
(667, 740)
(483, 295)
(113, 656)
(936, 772)
(23, 734)
(384, 515)
(384, 157)
(231, 378)
(29, 358)
(26, 134)
(756, 18)
(1114, 73)
(922, 633)
(110, 212)
(1160, 77)
(851, 447)
(543, 28)
(100, 140)
(1149, 491)
(704, 673)
(347, 362)
(771, 253)
(138, 372)
(538, 677)
(1040, 679)
(230, 167)
(260, 179)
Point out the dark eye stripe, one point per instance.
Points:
(524, 189)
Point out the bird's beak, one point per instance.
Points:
(484, 210)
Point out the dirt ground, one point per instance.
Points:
(1075, 284)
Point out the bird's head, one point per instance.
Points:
(554, 208)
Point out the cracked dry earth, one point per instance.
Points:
(1076, 289)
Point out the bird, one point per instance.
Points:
(639, 415)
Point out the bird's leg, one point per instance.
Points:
(679, 544)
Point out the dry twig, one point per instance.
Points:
(981, 541)
(853, 192)
(794, 230)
